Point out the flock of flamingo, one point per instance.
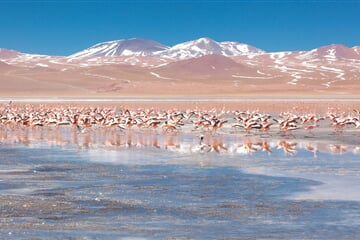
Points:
(85, 118)
(142, 127)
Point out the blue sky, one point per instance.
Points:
(64, 27)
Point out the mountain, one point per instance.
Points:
(207, 46)
(209, 65)
(137, 67)
(331, 53)
(137, 47)
(144, 47)
(127, 47)
(7, 54)
(4, 66)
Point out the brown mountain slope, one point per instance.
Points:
(7, 54)
(209, 66)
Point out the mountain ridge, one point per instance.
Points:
(140, 47)
(123, 47)
(145, 47)
(200, 67)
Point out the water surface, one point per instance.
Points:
(107, 184)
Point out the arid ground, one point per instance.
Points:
(305, 105)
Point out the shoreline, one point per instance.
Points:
(175, 99)
(274, 105)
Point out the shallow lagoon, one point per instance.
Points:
(108, 184)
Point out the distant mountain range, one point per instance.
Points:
(117, 67)
(191, 49)
(145, 47)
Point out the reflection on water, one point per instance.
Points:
(185, 143)
(104, 183)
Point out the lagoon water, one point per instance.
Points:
(58, 183)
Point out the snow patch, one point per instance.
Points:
(356, 50)
(239, 76)
(292, 82)
(327, 85)
(127, 52)
(331, 54)
(335, 70)
(278, 57)
(54, 62)
(259, 72)
(161, 65)
(158, 76)
(42, 65)
(331, 69)
(296, 78)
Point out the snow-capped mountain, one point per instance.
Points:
(126, 47)
(331, 53)
(144, 47)
(203, 66)
(207, 46)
